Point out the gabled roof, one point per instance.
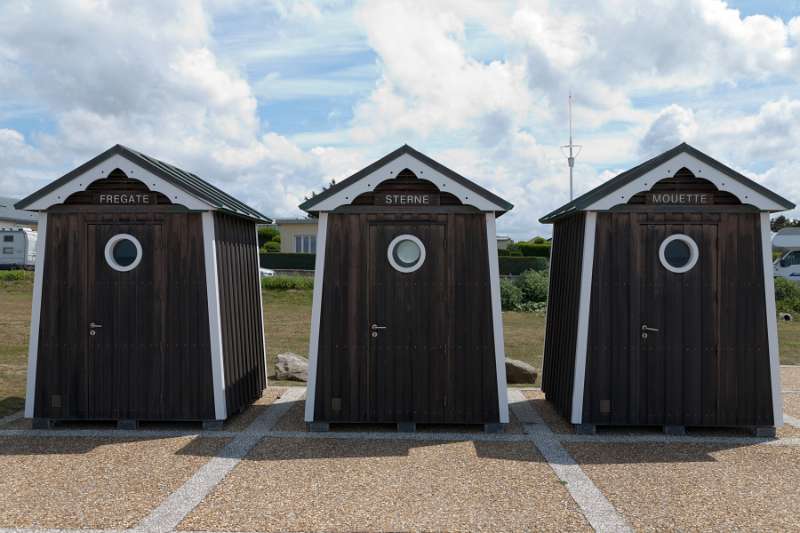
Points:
(772, 201)
(491, 202)
(186, 181)
(7, 212)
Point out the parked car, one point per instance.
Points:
(17, 248)
(266, 273)
(788, 264)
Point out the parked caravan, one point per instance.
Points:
(406, 322)
(787, 265)
(17, 248)
(147, 301)
(662, 302)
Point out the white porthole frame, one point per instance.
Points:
(109, 252)
(390, 253)
(694, 253)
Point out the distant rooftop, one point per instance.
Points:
(8, 213)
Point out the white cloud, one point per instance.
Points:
(479, 85)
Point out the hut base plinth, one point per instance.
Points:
(319, 427)
(493, 428)
(127, 424)
(42, 423)
(674, 430)
(213, 425)
(585, 429)
(764, 431)
(407, 427)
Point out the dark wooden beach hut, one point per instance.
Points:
(406, 322)
(662, 302)
(146, 300)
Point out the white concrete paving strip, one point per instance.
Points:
(11, 418)
(181, 502)
(792, 421)
(392, 435)
(599, 512)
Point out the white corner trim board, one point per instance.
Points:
(391, 170)
(131, 170)
(261, 309)
(772, 322)
(214, 315)
(36, 312)
(497, 317)
(581, 343)
(316, 311)
(700, 169)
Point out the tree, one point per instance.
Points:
(780, 222)
(267, 234)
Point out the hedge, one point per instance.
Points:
(283, 261)
(16, 275)
(534, 250)
(284, 283)
(511, 265)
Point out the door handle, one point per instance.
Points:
(375, 327)
(646, 328)
(93, 325)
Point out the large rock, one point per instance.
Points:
(291, 367)
(519, 372)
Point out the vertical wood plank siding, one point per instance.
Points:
(709, 362)
(151, 359)
(240, 301)
(558, 369)
(445, 371)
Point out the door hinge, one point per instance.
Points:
(444, 400)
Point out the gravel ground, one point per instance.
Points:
(330, 485)
(791, 404)
(92, 483)
(790, 378)
(293, 421)
(697, 487)
(243, 419)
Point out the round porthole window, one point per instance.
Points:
(678, 253)
(406, 253)
(123, 252)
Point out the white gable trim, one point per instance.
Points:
(316, 317)
(772, 322)
(36, 313)
(132, 170)
(391, 170)
(497, 318)
(582, 341)
(700, 169)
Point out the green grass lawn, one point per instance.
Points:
(287, 321)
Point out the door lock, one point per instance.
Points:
(645, 329)
(376, 326)
(92, 327)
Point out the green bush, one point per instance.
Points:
(271, 247)
(538, 240)
(284, 261)
(787, 296)
(534, 250)
(16, 275)
(267, 234)
(285, 283)
(533, 286)
(510, 295)
(514, 266)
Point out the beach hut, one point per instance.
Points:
(406, 322)
(662, 303)
(146, 301)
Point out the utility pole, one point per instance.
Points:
(571, 150)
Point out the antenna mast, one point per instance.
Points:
(567, 149)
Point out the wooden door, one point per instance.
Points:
(124, 321)
(678, 326)
(407, 330)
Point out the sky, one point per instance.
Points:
(270, 100)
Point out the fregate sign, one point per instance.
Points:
(406, 198)
(679, 198)
(125, 198)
